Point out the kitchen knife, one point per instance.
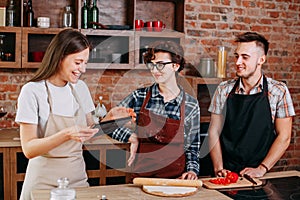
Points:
(246, 176)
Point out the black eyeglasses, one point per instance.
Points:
(159, 66)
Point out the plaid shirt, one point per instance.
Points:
(280, 100)
(170, 109)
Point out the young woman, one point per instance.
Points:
(166, 142)
(54, 113)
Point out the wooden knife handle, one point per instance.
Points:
(167, 182)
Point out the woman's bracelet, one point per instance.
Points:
(264, 166)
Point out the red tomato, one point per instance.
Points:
(220, 181)
(214, 181)
(233, 177)
(226, 181)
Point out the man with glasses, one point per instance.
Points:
(166, 141)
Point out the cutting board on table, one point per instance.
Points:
(242, 182)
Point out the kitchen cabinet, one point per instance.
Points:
(34, 43)
(27, 44)
(11, 37)
(105, 43)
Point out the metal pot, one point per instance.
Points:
(207, 67)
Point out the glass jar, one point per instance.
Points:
(63, 192)
(222, 56)
(68, 17)
(207, 67)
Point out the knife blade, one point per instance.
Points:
(246, 176)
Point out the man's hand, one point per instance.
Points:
(222, 172)
(134, 143)
(254, 172)
(190, 175)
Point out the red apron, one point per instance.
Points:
(161, 144)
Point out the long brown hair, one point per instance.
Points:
(66, 42)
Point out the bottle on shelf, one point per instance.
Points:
(85, 15)
(94, 14)
(62, 191)
(2, 47)
(25, 8)
(11, 14)
(68, 17)
(29, 15)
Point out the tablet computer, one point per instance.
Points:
(109, 126)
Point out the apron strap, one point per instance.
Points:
(182, 105)
(49, 99)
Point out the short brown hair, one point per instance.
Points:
(260, 40)
(171, 47)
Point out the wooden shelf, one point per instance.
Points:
(25, 43)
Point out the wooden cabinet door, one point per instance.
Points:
(11, 47)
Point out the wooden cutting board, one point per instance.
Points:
(242, 182)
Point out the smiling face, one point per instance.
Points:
(71, 68)
(167, 74)
(249, 59)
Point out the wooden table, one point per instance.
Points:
(130, 191)
(127, 191)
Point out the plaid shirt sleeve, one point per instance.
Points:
(280, 100)
(192, 134)
(135, 101)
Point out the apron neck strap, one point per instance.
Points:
(49, 99)
(182, 107)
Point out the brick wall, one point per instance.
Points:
(207, 26)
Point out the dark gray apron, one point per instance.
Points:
(248, 131)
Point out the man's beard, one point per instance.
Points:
(247, 75)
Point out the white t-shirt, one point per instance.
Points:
(33, 104)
